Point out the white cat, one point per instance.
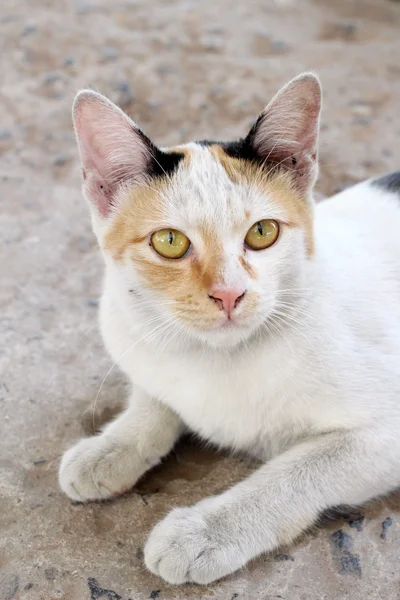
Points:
(243, 314)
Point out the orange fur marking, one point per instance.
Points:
(247, 267)
(142, 210)
(187, 281)
(277, 184)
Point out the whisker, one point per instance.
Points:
(118, 360)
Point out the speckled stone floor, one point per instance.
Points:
(182, 69)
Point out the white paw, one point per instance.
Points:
(190, 545)
(97, 468)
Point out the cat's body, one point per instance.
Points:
(311, 369)
(313, 390)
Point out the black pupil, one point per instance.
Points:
(260, 229)
(170, 237)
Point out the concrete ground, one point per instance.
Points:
(182, 69)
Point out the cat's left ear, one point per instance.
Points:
(286, 132)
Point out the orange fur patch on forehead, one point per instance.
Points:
(298, 209)
(277, 185)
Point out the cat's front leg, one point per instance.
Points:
(110, 463)
(273, 506)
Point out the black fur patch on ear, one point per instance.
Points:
(389, 182)
(242, 149)
(164, 163)
(208, 143)
(161, 163)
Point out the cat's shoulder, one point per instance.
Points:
(368, 193)
(389, 182)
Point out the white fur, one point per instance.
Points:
(320, 403)
(315, 396)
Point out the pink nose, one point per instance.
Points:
(227, 299)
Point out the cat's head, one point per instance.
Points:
(210, 239)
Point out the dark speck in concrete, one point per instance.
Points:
(60, 160)
(154, 594)
(69, 61)
(93, 302)
(362, 120)
(5, 134)
(28, 586)
(97, 592)
(29, 29)
(139, 554)
(357, 523)
(40, 461)
(110, 52)
(388, 522)
(347, 562)
(279, 47)
(50, 573)
(125, 95)
(51, 78)
(235, 596)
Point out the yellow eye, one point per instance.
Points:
(170, 243)
(262, 234)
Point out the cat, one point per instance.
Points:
(242, 312)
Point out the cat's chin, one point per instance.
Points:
(227, 335)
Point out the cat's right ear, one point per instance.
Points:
(112, 148)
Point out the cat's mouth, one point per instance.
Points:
(232, 322)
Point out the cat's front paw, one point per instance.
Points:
(190, 545)
(98, 468)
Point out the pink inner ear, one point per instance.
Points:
(111, 147)
(287, 131)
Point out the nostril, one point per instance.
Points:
(239, 299)
(227, 299)
(218, 301)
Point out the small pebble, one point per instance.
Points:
(29, 28)
(357, 523)
(126, 95)
(50, 573)
(362, 121)
(69, 61)
(5, 134)
(385, 526)
(109, 52)
(93, 302)
(348, 29)
(51, 78)
(283, 557)
(60, 160)
(139, 554)
(279, 47)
